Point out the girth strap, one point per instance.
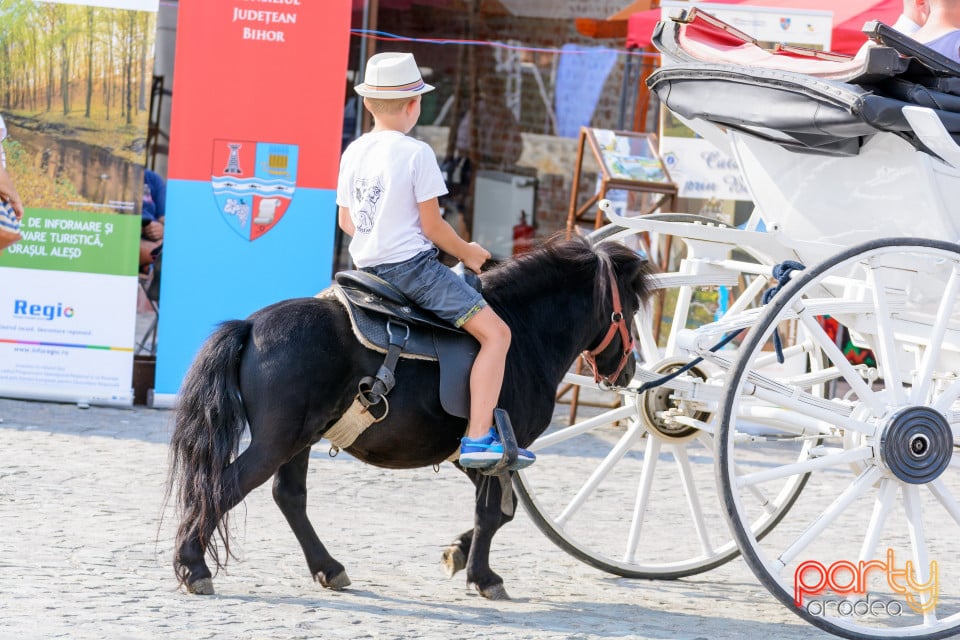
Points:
(373, 389)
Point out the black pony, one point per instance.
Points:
(291, 370)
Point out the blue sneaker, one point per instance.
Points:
(482, 453)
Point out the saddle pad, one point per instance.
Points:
(370, 327)
(454, 350)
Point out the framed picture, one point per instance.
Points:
(631, 170)
(628, 156)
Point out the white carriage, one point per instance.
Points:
(838, 481)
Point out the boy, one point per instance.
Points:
(387, 196)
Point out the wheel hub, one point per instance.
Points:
(658, 400)
(917, 444)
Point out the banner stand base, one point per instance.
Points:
(82, 401)
(161, 400)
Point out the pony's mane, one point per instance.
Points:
(559, 263)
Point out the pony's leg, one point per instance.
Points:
(252, 468)
(290, 494)
(454, 557)
(489, 516)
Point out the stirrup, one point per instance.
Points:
(508, 439)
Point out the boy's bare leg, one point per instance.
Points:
(486, 377)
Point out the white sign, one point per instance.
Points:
(697, 167)
(59, 335)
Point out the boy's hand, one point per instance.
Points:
(475, 256)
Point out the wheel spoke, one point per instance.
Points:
(693, 498)
(805, 466)
(921, 558)
(872, 442)
(769, 506)
(624, 444)
(924, 376)
(806, 404)
(607, 417)
(839, 360)
(945, 498)
(881, 509)
(650, 455)
(887, 356)
(948, 397)
(858, 487)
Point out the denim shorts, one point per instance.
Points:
(433, 286)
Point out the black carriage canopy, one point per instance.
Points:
(802, 99)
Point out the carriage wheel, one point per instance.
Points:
(869, 549)
(634, 494)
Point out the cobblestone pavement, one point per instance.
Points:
(84, 553)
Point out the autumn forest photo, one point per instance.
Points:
(75, 86)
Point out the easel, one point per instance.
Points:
(628, 161)
(611, 178)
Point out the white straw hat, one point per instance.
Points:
(392, 75)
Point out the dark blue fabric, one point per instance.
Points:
(154, 197)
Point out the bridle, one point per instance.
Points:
(618, 324)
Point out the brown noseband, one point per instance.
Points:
(618, 323)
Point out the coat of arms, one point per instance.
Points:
(253, 183)
(784, 23)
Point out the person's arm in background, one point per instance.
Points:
(8, 193)
(158, 190)
(154, 201)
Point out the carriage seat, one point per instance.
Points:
(697, 36)
(805, 112)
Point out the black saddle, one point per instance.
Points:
(382, 315)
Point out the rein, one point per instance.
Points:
(618, 324)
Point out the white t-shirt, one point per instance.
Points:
(384, 175)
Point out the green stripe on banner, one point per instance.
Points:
(76, 241)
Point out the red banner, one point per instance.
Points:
(260, 70)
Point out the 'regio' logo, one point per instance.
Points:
(23, 309)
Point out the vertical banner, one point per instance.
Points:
(74, 90)
(256, 123)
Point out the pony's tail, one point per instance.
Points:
(210, 420)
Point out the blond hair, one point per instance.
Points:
(386, 105)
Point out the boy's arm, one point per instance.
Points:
(345, 221)
(439, 231)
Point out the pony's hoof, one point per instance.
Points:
(201, 587)
(494, 592)
(336, 583)
(453, 560)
